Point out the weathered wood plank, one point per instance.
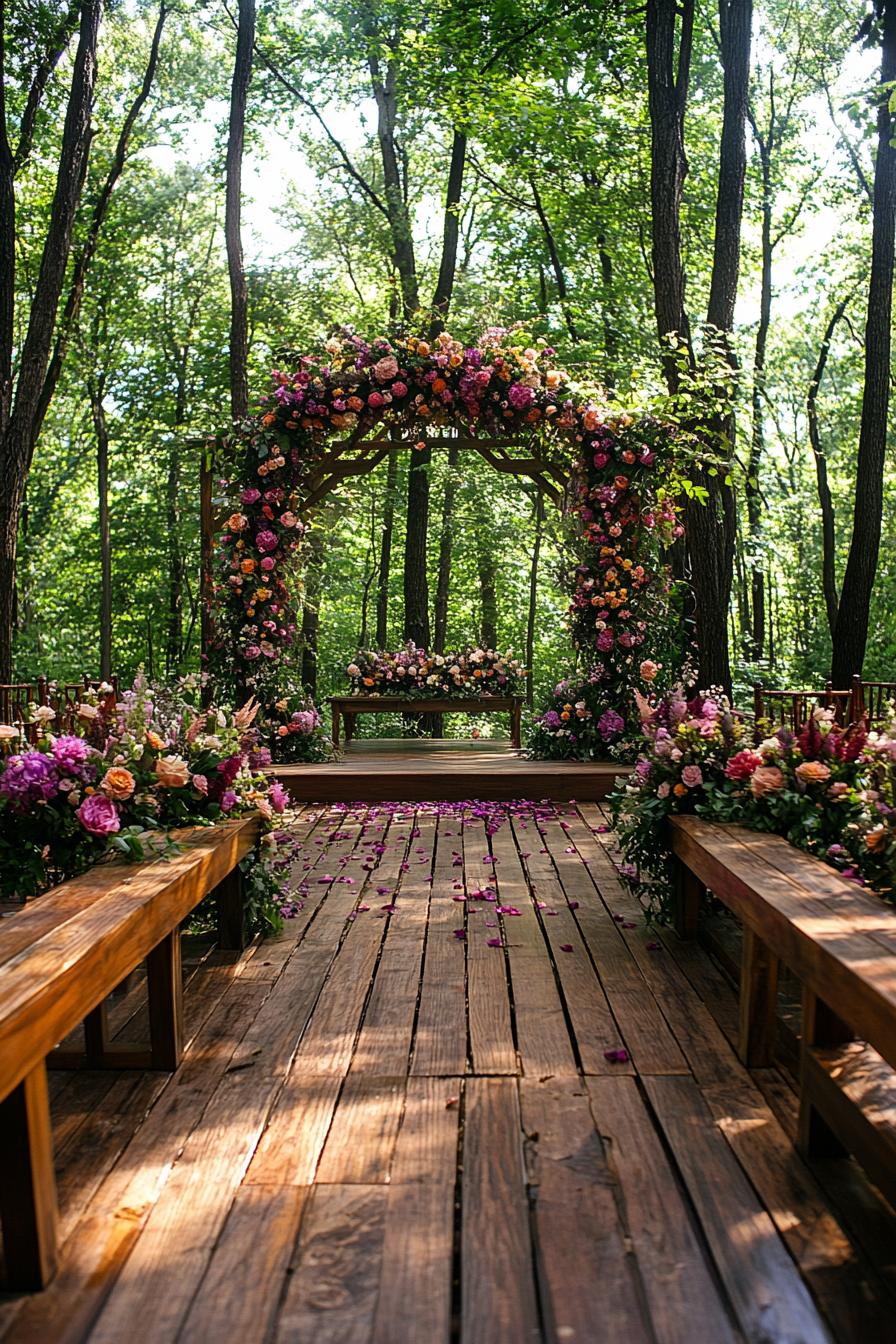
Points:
(769, 1298)
(497, 1272)
(331, 1294)
(492, 1046)
(358, 1148)
(440, 1039)
(240, 1292)
(581, 1251)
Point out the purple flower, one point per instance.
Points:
(99, 815)
(604, 641)
(520, 396)
(278, 796)
(228, 800)
(266, 541)
(29, 778)
(610, 724)
(251, 495)
(551, 719)
(71, 755)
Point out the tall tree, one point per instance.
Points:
(20, 387)
(851, 630)
(239, 297)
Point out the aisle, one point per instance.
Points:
(466, 1096)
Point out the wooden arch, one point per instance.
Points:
(357, 456)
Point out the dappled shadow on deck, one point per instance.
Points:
(467, 1096)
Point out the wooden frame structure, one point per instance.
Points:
(350, 706)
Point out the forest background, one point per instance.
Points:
(534, 118)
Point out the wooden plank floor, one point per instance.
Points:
(418, 769)
(465, 1098)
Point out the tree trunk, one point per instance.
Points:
(239, 298)
(382, 592)
(533, 597)
(611, 336)
(755, 642)
(100, 210)
(96, 390)
(556, 264)
(450, 234)
(446, 540)
(416, 580)
(851, 631)
(667, 84)
(396, 204)
(17, 411)
(175, 636)
(487, 568)
(311, 610)
(825, 502)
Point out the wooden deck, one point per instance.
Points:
(386, 1132)
(416, 770)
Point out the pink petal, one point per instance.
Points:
(493, 942)
(566, 947)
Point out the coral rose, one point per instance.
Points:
(386, 368)
(876, 840)
(155, 741)
(649, 669)
(813, 772)
(118, 782)
(766, 779)
(172, 772)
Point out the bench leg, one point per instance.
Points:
(688, 895)
(28, 1184)
(96, 1036)
(336, 727)
(758, 1002)
(231, 912)
(166, 1019)
(821, 1026)
(516, 733)
(349, 726)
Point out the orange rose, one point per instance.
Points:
(876, 840)
(247, 565)
(813, 772)
(172, 772)
(118, 783)
(439, 385)
(236, 522)
(680, 790)
(155, 741)
(766, 779)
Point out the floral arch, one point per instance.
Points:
(339, 412)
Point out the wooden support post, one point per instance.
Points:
(688, 895)
(336, 726)
(231, 912)
(758, 1002)
(821, 1026)
(349, 720)
(96, 1036)
(164, 982)
(28, 1210)
(516, 731)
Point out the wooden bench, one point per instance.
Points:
(840, 943)
(350, 706)
(60, 957)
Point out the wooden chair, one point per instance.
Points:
(15, 699)
(793, 709)
(67, 696)
(873, 701)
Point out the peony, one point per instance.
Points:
(172, 772)
(44, 714)
(251, 495)
(88, 713)
(288, 519)
(766, 779)
(692, 776)
(28, 779)
(118, 783)
(520, 396)
(353, 670)
(649, 669)
(813, 772)
(8, 733)
(266, 540)
(99, 815)
(742, 765)
(385, 369)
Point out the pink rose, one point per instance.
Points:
(649, 670)
(228, 800)
(288, 519)
(200, 784)
(813, 772)
(743, 764)
(766, 779)
(399, 389)
(99, 815)
(385, 369)
(692, 776)
(376, 399)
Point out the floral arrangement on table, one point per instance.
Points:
(827, 789)
(413, 672)
(618, 471)
(165, 763)
(294, 730)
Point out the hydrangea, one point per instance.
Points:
(73, 756)
(610, 724)
(29, 778)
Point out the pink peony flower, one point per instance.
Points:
(692, 776)
(649, 669)
(385, 369)
(266, 541)
(99, 815)
(743, 764)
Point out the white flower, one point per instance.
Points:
(44, 714)
(8, 733)
(353, 670)
(88, 712)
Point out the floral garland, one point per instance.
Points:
(412, 671)
(826, 789)
(620, 468)
(162, 763)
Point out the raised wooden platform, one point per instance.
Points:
(417, 770)
(386, 1133)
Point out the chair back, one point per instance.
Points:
(15, 697)
(792, 709)
(874, 701)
